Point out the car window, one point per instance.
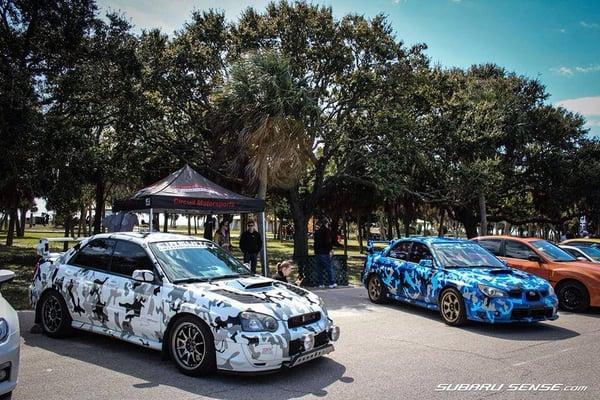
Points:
(128, 257)
(400, 250)
(583, 243)
(465, 255)
(514, 249)
(572, 252)
(592, 252)
(494, 246)
(96, 254)
(552, 251)
(419, 252)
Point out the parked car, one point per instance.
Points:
(184, 296)
(583, 253)
(460, 279)
(10, 341)
(577, 283)
(585, 242)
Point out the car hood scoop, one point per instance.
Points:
(503, 271)
(252, 283)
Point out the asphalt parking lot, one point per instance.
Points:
(385, 352)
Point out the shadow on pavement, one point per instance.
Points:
(104, 352)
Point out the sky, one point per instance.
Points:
(557, 42)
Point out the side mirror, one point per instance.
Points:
(426, 262)
(535, 258)
(6, 276)
(143, 275)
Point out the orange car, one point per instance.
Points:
(577, 283)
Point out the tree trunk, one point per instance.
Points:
(360, 234)
(67, 228)
(406, 221)
(442, 217)
(483, 214)
(21, 226)
(300, 219)
(469, 221)
(11, 227)
(345, 235)
(189, 225)
(166, 224)
(100, 188)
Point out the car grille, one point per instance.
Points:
(522, 313)
(297, 346)
(304, 319)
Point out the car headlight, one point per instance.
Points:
(256, 322)
(491, 291)
(3, 329)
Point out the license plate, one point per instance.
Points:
(311, 355)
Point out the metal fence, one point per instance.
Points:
(309, 268)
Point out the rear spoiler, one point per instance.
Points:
(371, 244)
(42, 249)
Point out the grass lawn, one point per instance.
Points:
(20, 258)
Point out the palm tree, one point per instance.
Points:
(269, 110)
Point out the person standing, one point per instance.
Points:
(251, 245)
(209, 226)
(222, 237)
(323, 246)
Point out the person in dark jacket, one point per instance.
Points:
(323, 245)
(284, 271)
(251, 245)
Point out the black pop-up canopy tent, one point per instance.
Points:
(187, 192)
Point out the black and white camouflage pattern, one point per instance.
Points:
(140, 312)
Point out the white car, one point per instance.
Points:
(583, 253)
(10, 341)
(184, 296)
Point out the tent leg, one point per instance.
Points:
(151, 220)
(263, 231)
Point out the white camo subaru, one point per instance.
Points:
(184, 296)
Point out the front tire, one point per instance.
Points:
(376, 289)
(192, 346)
(573, 297)
(55, 316)
(452, 307)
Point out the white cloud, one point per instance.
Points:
(583, 69)
(589, 25)
(561, 30)
(592, 122)
(566, 71)
(589, 68)
(582, 105)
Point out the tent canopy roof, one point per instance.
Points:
(186, 191)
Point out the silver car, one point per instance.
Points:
(10, 341)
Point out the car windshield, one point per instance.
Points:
(465, 255)
(554, 253)
(591, 252)
(192, 260)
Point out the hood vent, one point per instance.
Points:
(255, 283)
(501, 271)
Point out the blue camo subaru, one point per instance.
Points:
(459, 278)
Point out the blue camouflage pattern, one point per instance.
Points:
(422, 285)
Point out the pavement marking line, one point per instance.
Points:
(542, 358)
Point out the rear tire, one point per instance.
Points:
(6, 396)
(573, 297)
(376, 289)
(452, 307)
(54, 315)
(192, 346)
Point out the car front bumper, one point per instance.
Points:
(263, 352)
(506, 309)
(9, 363)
